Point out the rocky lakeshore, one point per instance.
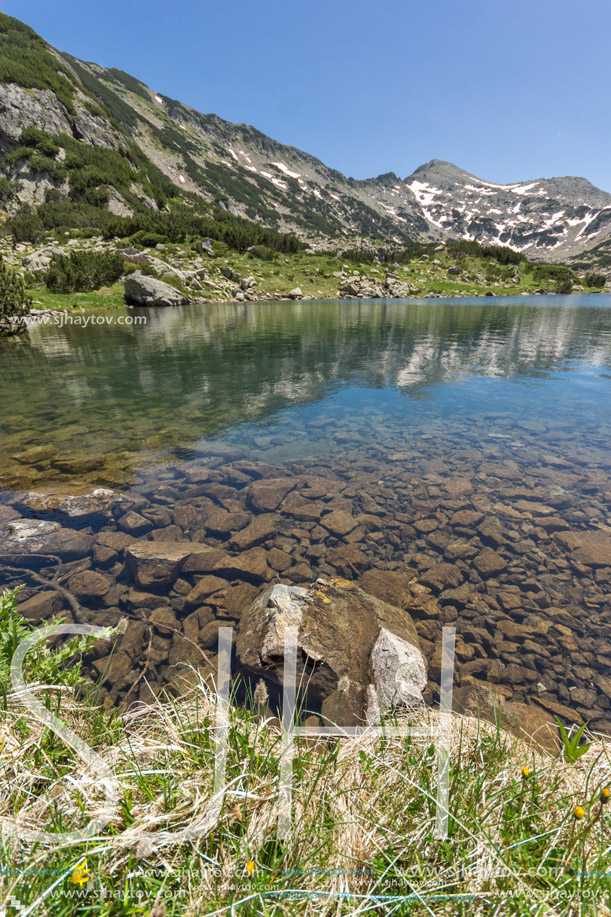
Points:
(515, 552)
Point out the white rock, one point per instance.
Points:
(399, 672)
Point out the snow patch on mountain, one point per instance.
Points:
(286, 170)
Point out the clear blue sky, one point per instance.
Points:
(508, 89)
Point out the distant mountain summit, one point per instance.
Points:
(554, 217)
(167, 150)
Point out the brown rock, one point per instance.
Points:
(117, 541)
(42, 605)
(233, 601)
(459, 549)
(164, 620)
(194, 622)
(348, 559)
(267, 494)
(209, 635)
(338, 522)
(593, 549)
(491, 532)
(536, 509)
(168, 533)
(509, 601)
(103, 556)
(89, 585)
(185, 652)
(583, 697)
(250, 565)
(114, 668)
(218, 492)
(203, 559)
(260, 529)
(205, 587)
(523, 720)
(344, 705)
(458, 597)
(156, 563)
(300, 573)
(567, 714)
(390, 586)
(68, 544)
(458, 487)
(134, 599)
(305, 510)
(315, 488)
(442, 576)
(351, 635)
(132, 641)
(160, 650)
(221, 522)
(426, 525)
(196, 474)
(134, 524)
(78, 462)
(466, 518)
(255, 469)
(279, 560)
(488, 562)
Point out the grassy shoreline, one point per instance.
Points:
(319, 276)
(529, 832)
(363, 820)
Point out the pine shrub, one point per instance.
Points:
(15, 303)
(83, 271)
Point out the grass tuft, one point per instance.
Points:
(363, 819)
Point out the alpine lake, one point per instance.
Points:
(460, 445)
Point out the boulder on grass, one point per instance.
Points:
(141, 290)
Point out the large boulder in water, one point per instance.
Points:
(141, 290)
(357, 654)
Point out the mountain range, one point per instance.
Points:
(208, 161)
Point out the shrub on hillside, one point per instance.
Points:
(15, 303)
(26, 226)
(564, 286)
(82, 271)
(6, 189)
(358, 256)
(40, 140)
(595, 280)
(47, 166)
(557, 272)
(263, 253)
(500, 253)
(146, 239)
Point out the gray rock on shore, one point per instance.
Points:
(141, 290)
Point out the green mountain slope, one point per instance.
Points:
(86, 146)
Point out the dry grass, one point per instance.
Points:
(363, 820)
